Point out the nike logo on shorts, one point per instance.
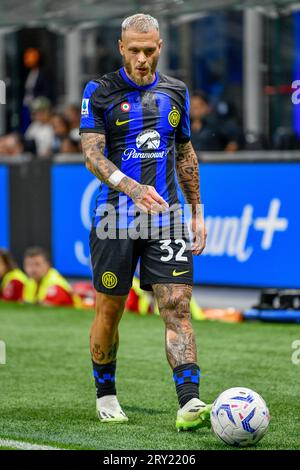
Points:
(175, 273)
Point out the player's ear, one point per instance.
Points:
(160, 43)
(121, 46)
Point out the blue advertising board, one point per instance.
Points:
(4, 207)
(251, 213)
(253, 224)
(73, 193)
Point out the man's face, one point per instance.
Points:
(36, 267)
(59, 126)
(140, 52)
(198, 108)
(41, 116)
(13, 146)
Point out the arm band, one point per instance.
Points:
(116, 177)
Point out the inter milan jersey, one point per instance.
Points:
(141, 125)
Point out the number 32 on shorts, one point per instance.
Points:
(165, 245)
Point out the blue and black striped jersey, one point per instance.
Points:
(141, 125)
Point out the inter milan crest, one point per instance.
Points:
(109, 280)
(174, 117)
(125, 107)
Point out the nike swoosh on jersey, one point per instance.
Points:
(120, 123)
(175, 273)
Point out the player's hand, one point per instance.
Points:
(147, 198)
(199, 234)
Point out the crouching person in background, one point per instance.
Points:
(46, 285)
(12, 279)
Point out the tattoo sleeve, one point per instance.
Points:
(93, 146)
(188, 174)
(174, 307)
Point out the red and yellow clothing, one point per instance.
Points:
(12, 285)
(53, 289)
(138, 300)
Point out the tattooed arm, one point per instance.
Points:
(188, 179)
(93, 146)
(145, 197)
(188, 175)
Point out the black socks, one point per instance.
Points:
(105, 378)
(186, 378)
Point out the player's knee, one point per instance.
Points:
(176, 308)
(109, 310)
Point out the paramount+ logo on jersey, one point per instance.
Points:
(146, 141)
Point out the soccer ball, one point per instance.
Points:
(239, 417)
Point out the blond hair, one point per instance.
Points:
(140, 23)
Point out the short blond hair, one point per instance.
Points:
(140, 23)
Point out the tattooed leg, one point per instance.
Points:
(174, 306)
(104, 336)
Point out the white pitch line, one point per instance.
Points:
(25, 445)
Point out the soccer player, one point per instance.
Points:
(132, 121)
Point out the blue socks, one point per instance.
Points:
(187, 379)
(105, 378)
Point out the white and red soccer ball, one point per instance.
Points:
(240, 417)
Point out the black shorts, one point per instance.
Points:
(162, 260)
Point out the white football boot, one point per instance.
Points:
(108, 410)
(193, 415)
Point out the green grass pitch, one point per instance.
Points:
(47, 389)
